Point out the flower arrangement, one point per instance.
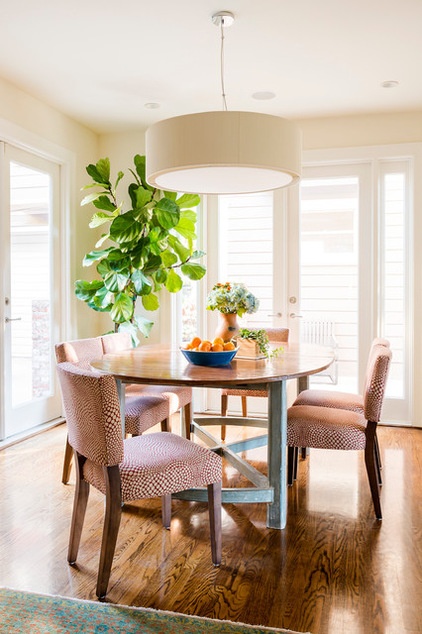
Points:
(232, 299)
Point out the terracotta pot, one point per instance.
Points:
(228, 326)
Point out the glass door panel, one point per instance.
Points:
(31, 291)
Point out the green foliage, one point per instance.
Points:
(260, 336)
(152, 246)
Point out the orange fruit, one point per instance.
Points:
(204, 346)
(195, 342)
(229, 346)
(217, 347)
(218, 341)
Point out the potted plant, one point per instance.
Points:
(149, 247)
(254, 344)
(231, 300)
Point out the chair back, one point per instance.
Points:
(376, 343)
(278, 334)
(81, 351)
(115, 342)
(378, 368)
(92, 410)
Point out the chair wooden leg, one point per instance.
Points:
(224, 405)
(165, 425)
(291, 453)
(378, 462)
(113, 513)
(295, 462)
(79, 508)
(166, 510)
(214, 509)
(371, 468)
(187, 418)
(67, 462)
(304, 452)
(244, 407)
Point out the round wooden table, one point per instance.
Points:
(163, 365)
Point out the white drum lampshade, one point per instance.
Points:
(223, 152)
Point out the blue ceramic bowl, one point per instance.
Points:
(209, 358)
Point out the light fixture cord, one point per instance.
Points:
(223, 90)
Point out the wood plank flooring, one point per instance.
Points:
(333, 570)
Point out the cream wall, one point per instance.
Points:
(33, 125)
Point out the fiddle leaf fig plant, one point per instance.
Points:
(144, 249)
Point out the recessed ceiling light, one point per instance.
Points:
(391, 83)
(263, 95)
(151, 105)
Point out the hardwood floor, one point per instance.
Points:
(333, 570)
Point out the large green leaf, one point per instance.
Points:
(125, 228)
(153, 263)
(167, 213)
(122, 309)
(179, 248)
(96, 174)
(150, 302)
(188, 200)
(186, 228)
(116, 281)
(141, 283)
(173, 282)
(160, 277)
(99, 219)
(143, 196)
(86, 290)
(188, 213)
(103, 202)
(169, 258)
(128, 326)
(103, 167)
(144, 325)
(87, 200)
(103, 299)
(94, 256)
(193, 271)
(170, 195)
(140, 165)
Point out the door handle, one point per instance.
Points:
(275, 315)
(294, 316)
(15, 319)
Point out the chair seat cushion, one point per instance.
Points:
(144, 411)
(159, 464)
(235, 392)
(176, 396)
(325, 428)
(328, 398)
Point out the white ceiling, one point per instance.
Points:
(100, 61)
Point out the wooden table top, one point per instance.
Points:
(162, 365)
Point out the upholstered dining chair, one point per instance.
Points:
(322, 427)
(275, 335)
(178, 397)
(142, 411)
(345, 400)
(152, 465)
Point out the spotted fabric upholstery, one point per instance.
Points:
(92, 411)
(81, 351)
(159, 464)
(334, 428)
(142, 410)
(275, 335)
(342, 400)
(176, 397)
(150, 466)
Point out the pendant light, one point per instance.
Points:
(223, 152)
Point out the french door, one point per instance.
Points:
(329, 259)
(30, 289)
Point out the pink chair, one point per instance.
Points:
(177, 397)
(334, 428)
(345, 400)
(276, 335)
(152, 465)
(142, 411)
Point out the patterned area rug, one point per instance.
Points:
(29, 613)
